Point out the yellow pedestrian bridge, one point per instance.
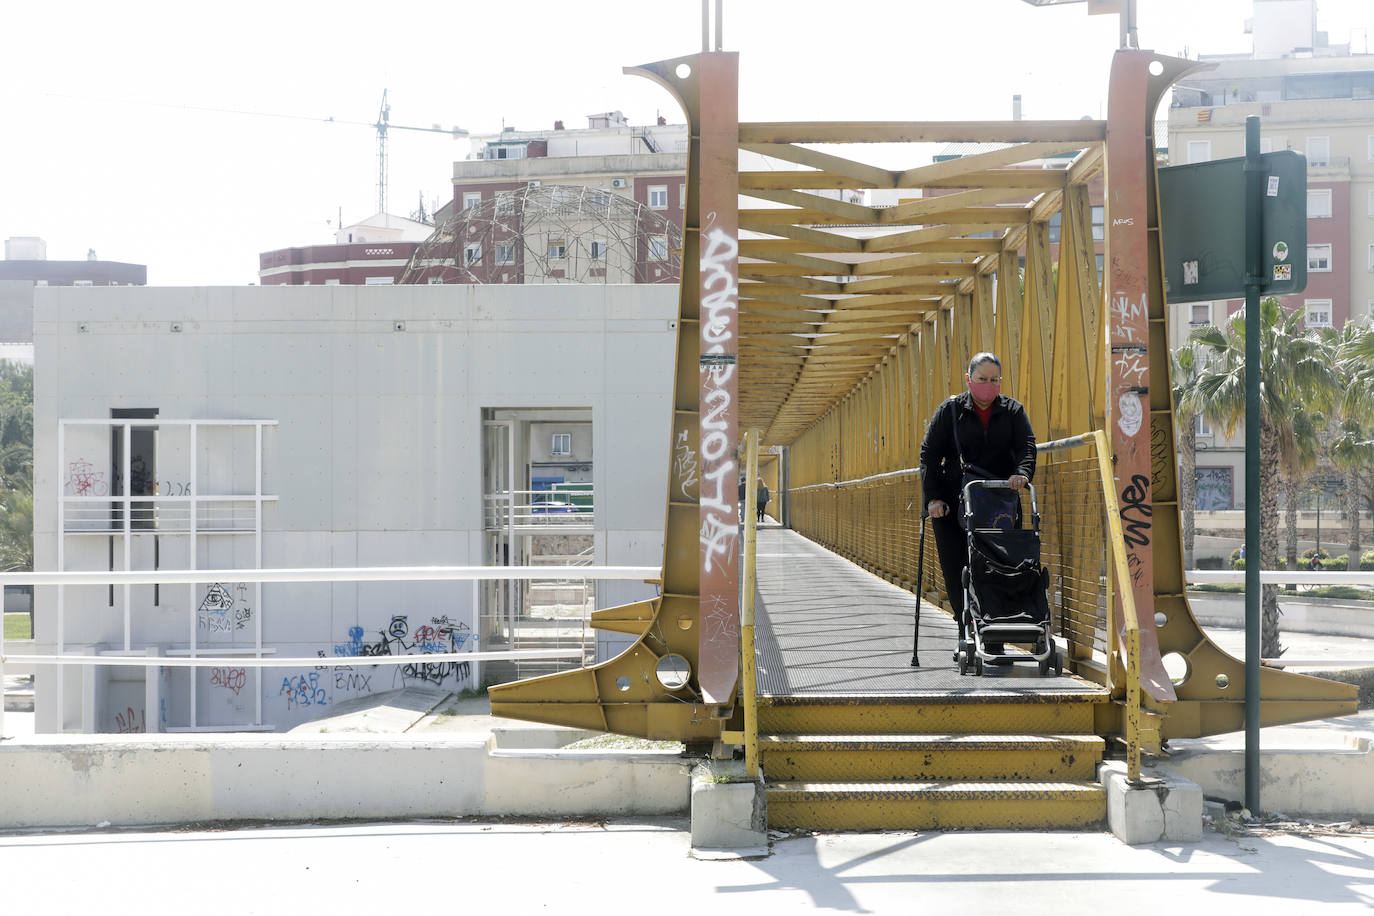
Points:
(828, 305)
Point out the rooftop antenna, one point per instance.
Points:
(383, 122)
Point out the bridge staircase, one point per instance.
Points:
(851, 737)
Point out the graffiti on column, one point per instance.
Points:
(719, 495)
(684, 463)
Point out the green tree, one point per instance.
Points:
(16, 466)
(1186, 362)
(1296, 374)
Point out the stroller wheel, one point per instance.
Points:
(1058, 663)
(962, 657)
(1044, 665)
(977, 666)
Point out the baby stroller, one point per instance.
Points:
(1006, 589)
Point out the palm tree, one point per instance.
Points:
(1186, 362)
(1352, 451)
(1295, 375)
(1298, 455)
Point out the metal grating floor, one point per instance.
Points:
(826, 627)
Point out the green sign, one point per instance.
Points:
(1202, 214)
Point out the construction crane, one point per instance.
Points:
(383, 125)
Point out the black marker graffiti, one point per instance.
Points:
(1136, 512)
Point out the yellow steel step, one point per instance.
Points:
(979, 713)
(1005, 758)
(934, 805)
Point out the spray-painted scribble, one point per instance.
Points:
(304, 690)
(84, 480)
(129, 722)
(231, 679)
(718, 497)
(684, 462)
(440, 635)
(219, 612)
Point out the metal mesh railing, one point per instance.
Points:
(876, 523)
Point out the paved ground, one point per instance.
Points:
(574, 868)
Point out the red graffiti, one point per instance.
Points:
(129, 722)
(228, 678)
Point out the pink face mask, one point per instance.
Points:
(983, 392)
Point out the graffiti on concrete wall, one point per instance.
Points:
(84, 480)
(231, 679)
(221, 612)
(129, 722)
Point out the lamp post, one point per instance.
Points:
(1123, 8)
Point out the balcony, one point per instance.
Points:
(540, 511)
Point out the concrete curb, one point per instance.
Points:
(1166, 808)
(1336, 783)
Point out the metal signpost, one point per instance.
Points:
(1207, 256)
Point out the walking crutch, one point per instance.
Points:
(920, 573)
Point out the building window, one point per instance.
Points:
(1318, 151)
(682, 196)
(658, 248)
(598, 250)
(1319, 258)
(472, 255)
(505, 203)
(472, 199)
(82, 283)
(379, 281)
(1200, 314)
(658, 197)
(436, 281)
(558, 250)
(334, 282)
(1319, 203)
(505, 254)
(601, 198)
(1099, 222)
(1199, 150)
(1203, 428)
(1318, 313)
(1055, 220)
(562, 444)
(1214, 489)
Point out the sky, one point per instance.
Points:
(191, 137)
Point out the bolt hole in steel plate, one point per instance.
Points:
(673, 671)
(683, 71)
(1223, 681)
(684, 623)
(1156, 68)
(622, 683)
(1161, 620)
(1176, 666)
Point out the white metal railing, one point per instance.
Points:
(538, 510)
(1279, 577)
(188, 658)
(165, 514)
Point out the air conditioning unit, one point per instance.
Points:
(617, 182)
(534, 184)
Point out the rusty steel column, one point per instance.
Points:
(718, 208)
(1129, 156)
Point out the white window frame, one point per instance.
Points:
(1324, 158)
(597, 250)
(1193, 321)
(1370, 204)
(1323, 304)
(1205, 146)
(1203, 428)
(505, 203)
(505, 254)
(558, 250)
(682, 196)
(379, 281)
(658, 197)
(658, 248)
(472, 199)
(472, 255)
(1315, 254)
(1319, 194)
(561, 439)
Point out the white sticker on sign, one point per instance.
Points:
(1273, 186)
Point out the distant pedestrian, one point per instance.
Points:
(761, 498)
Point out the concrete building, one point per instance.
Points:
(234, 428)
(1315, 97)
(370, 253)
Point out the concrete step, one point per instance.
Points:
(934, 805)
(995, 758)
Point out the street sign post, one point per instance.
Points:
(1202, 212)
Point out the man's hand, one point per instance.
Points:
(937, 508)
(1017, 481)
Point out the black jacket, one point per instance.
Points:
(1005, 448)
(761, 497)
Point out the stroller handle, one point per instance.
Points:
(1003, 485)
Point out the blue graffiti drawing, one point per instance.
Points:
(303, 690)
